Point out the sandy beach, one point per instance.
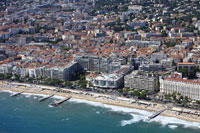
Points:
(180, 113)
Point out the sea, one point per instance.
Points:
(24, 114)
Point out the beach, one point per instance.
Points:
(180, 113)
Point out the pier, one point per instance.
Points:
(60, 102)
(16, 94)
(155, 114)
(45, 98)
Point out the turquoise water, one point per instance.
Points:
(24, 114)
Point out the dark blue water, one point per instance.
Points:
(26, 115)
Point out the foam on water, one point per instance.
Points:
(58, 97)
(172, 120)
(8, 91)
(141, 115)
(50, 106)
(135, 119)
(33, 94)
(97, 112)
(137, 115)
(172, 126)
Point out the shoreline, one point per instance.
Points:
(102, 98)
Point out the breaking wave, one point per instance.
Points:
(137, 115)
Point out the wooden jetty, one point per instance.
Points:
(16, 94)
(45, 98)
(155, 114)
(60, 102)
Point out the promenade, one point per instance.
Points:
(180, 113)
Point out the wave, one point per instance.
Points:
(140, 115)
(137, 114)
(50, 106)
(172, 120)
(33, 94)
(65, 119)
(172, 126)
(97, 112)
(58, 97)
(135, 119)
(8, 91)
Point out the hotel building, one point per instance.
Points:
(189, 88)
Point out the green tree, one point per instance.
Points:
(143, 95)
(8, 75)
(55, 82)
(120, 91)
(17, 77)
(83, 85)
(198, 102)
(184, 71)
(66, 48)
(82, 82)
(68, 83)
(136, 93)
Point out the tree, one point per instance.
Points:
(136, 93)
(8, 75)
(143, 95)
(168, 96)
(17, 77)
(125, 90)
(174, 96)
(120, 91)
(184, 71)
(68, 83)
(66, 48)
(82, 82)
(55, 82)
(186, 98)
(84, 85)
(164, 34)
(198, 102)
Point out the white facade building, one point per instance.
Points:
(189, 88)
(108, 81)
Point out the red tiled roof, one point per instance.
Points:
(183, 80)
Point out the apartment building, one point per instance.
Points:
(186, 65)
(141, 82)
(62, 72)
(151, 67)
